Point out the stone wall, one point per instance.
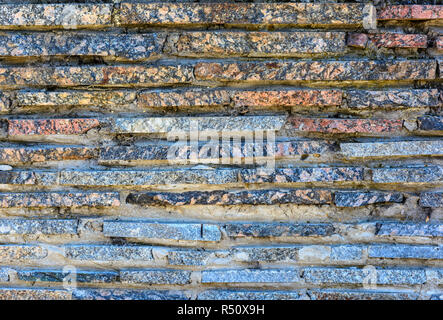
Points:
(341, 200)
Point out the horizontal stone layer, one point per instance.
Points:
(153, 230)
(256, 97)
(28, 178)
(34, 294)
(147, 177)
(80, 276)
(359, 198)
(123, 75)
(155, 276)
(213, 152)
(186, 124)
(355, 70)
(387, 40)
(5, 102)
(59, 199)
(411, 12)
(126, 294)
(296, 14)
(346, 126)
(432, 175)
(249, 295)
(44, 16)
(398, 229)
(250, 197)
(431, 199)
(438, 44)
(38, 226)
(251, 275)
(321, 275)
(126, 46)
(108, 252)
(394, 98)
(301, 175)
(51, 126)
(392, 149)
(337, 294)
(13, 253)
(18, 154)
(397, 251)
(275, 230)
(74, 98)
(255, 44)
(430, 123)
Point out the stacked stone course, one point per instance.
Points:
(351, 207)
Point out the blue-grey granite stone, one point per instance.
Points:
(431, 174)
(248, 295)
(409, 229)
(81, 276)
(155, 276)
(431, 199)
(38, 226)
(404, 251)
(126, 294)
(251, 275)
(359, 198)
(346, 253)
(108, 252)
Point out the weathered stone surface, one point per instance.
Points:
(346, 253)
(387, 40)
(125, 46)
(153, 230)
(431, 174)
(40, 226)
(156, 276)
(337, 294)
(297, 14)
(81, 276)
(358, 198)
(34, 294)
(275, 230)
(124, 75)
(398, 229)
(252, 197)
(355, 70)
(4, 276)
(431, 199)
(430, 123)
(402, 251)
(184, 98)
(248, 295)
(240, 254)
(126, 294)
(393, 98)
(319, 275)
(5, 102)
(108, 253)
(74, 98)
(181, 124)
(59, 199)
(18, 154)
(51, 126)
(392, 149)
(44, 16)
(19, 253)
(345, 126)
(410, 12)
(28, 177)
(288, 175)
(147, 177)
(255, 44)
(251, 275)
(439, 43)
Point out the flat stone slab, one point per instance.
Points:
(21, 253)
(358, 198)
(108, 253)
(249, 295)
(430, 123)
(294, 14)
(431, 199)
(403, 251)
(155, 276)
(251, 197)
(168, 231)
(18, 154)
(393, 98)
(251, 276)
(81, 276)
(51, 126)
(410, 12)
(34, 294)
(337, 294)
(275, 230)
(255, 44)
(44, 178)
(147, 177)
(387, 40)
(126, 294)
(59, 199)
(356, 70)
(392, 149)
(431, 174)
(294, 175)
(398, 229)
(38, 226)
